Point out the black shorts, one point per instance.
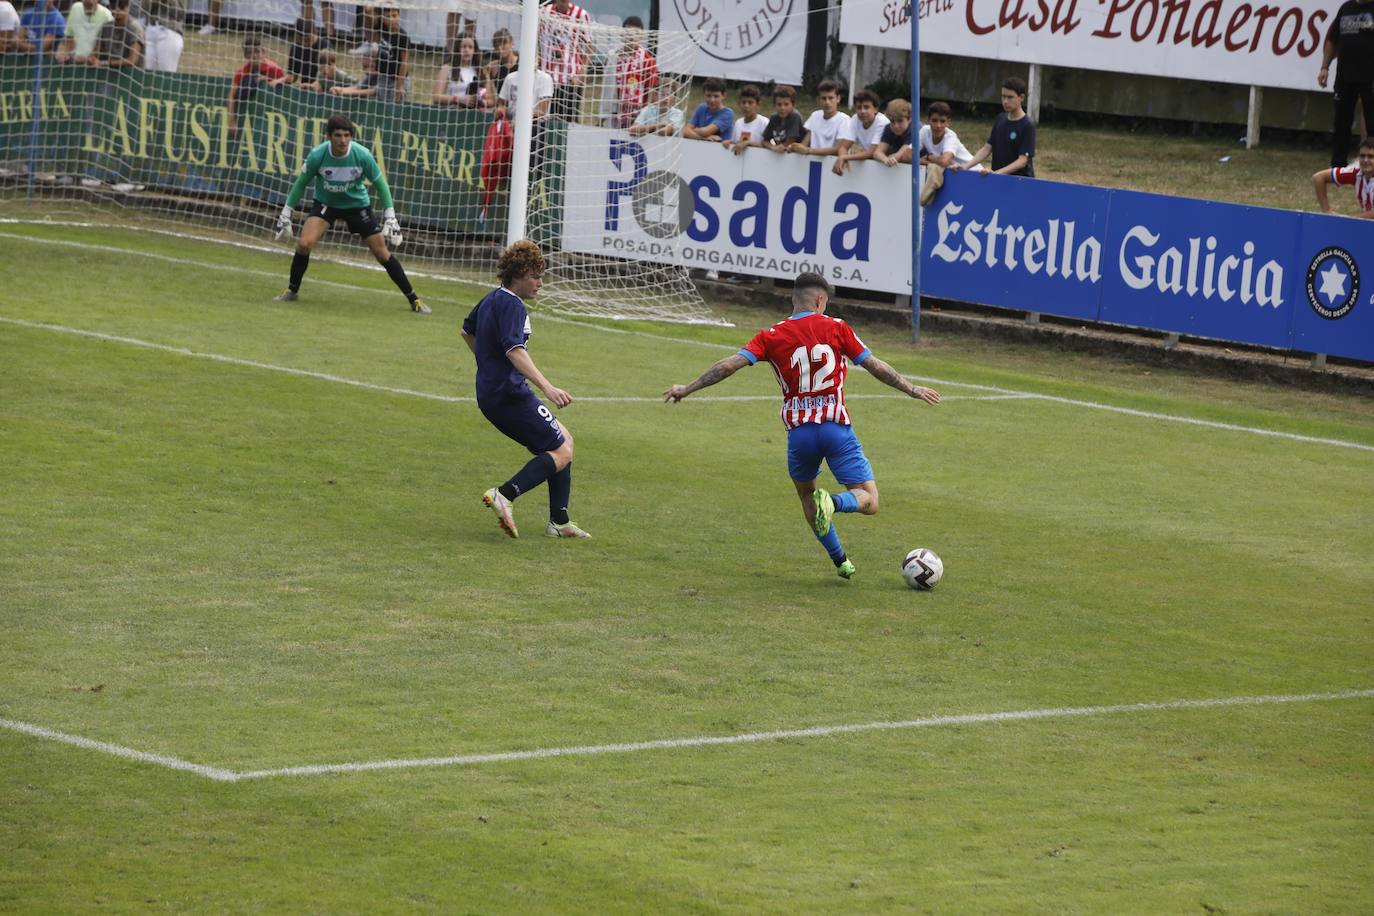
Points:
(361, 221)
(524, 418)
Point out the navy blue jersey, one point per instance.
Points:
(499, 324)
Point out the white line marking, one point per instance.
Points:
(1025, 395)
(411, 392)
(162, 760)
(822, 731)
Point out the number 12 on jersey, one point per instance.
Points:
(821, 356)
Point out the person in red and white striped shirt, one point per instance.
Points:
(808, 353)
(565, 46)
(636, 72)
(1360, 175)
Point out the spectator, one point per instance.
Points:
(564, 49)
(785, 127)
(1350, 40)
(364, 88)
(460, 21)
(895, 145)
(121, 40)
(1012, 141)
(41, 26)
(329, 75)
(11, 37)
(636, 72)
(212, 21)
(457, 80)
(165, 26)
(823, 128)
(860, 137)
(393, 57)
(367, 27)
(326, 17)
(543, 93)
(750, 126)
(256, 71)
(938, 143)
(661, 117)
(503, 61)
(1360, 175)
(84, 22)
(712, 120)
(303, 57)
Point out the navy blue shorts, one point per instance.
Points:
(836, 444)
(524, 418)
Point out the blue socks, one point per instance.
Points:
(831, 543)
(537, 470)
(846, 502)
(560, 492)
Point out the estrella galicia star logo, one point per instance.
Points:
(1333, 282)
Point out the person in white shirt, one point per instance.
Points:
(822, 137)
(543, 92)
(861, 135)
(9, 27)
(749, 128)
(84, 22)
(939, 144)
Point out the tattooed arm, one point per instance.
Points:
(719, 372)
(889, 376)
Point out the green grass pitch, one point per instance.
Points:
(216, 549)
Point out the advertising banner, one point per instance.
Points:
(759, 40)
(1001, 240)
(760, 214)
(1229, 41)
(1333, 297)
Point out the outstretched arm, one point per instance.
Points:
(889, 376)
(719, 372)
(520, 358)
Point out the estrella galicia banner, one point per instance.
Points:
(1199, 268)
(1333, 307)
(993, 239)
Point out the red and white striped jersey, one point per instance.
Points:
(636, 72)
(1364, 187)
(565, 42)
(808, 353)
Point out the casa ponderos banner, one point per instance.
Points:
(1229, 41)
(170, 132)
(759, 40)
(1277, 278)
(760, 214)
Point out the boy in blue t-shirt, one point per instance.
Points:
(712, 120)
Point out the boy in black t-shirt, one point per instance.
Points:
(1012, 141)
(393, 57)
(785, 127)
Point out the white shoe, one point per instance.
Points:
(207, 29)
(565, 531)
(497, 503)
(366, 47)
(713, 275)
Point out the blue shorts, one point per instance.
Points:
(834, 442)
(524, 418)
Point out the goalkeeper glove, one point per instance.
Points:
(284, 224)
(391, 228)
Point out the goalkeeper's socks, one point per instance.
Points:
(846, 502)
(397, 273)
(537, 470)
(560, 494)
(298, 265)
(831, 542)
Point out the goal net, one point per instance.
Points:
(205, 117)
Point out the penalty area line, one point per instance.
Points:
(219, 774)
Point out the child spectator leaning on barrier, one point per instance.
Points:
(750, 125)
(711, 120)
(662, 117)
(939, 144)
(860, 137)
(785, 126)
(895, 145)
(823, 128)
(1360, 176)
(1012, 141)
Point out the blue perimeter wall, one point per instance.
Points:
(1277, 278)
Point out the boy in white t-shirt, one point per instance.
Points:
(861, 135)
(822, 137)
(749, 129)
(938, 144)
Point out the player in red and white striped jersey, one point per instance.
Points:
(1360, 175)
(565, 46)
(636, 72)
(808, 353)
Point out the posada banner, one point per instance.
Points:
(1231, 41)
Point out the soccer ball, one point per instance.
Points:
(922, 569)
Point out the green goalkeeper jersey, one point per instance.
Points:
(339, 182)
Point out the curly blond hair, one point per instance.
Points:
(519, 260)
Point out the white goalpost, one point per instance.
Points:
(474, 148)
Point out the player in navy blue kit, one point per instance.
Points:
(497, 332)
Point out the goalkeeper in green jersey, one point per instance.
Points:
(339, 167)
